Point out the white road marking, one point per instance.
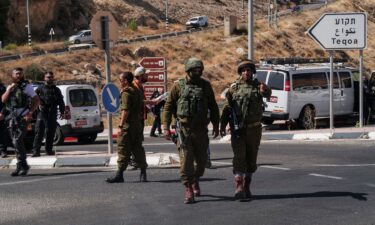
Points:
(325, 176)
(370, 185)
(344, 165)
(222, 163)
(275, 167)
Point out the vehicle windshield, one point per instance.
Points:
(82, 97)
(193, 19)
(79, 33)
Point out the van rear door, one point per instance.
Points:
(347, 92)
(84, 107)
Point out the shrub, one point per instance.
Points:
(132, 24)
(34, 72)
(10, 46)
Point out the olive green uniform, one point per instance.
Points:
(247, 100)
(190, 103)
(130, 140)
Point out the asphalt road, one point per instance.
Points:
(296, 183)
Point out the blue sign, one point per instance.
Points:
(111, 97)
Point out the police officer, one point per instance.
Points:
(21, 101)
(130, 136)
(189, 101)
(50, 98)
(243, 110)
(3, 130)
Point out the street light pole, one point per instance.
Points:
(250, 35)
(28, 23)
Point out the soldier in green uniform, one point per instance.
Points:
(189, 101)
(243, 110)
(130, 136)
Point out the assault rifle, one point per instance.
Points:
(234, 124)
(180, 135)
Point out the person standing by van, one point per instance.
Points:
(130, 136)
(50, 99)
(243, 110)
(21, 102)
(3, 130)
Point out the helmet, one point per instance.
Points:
(193, 63)
(246, 64)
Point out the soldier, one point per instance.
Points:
(21, 101)
(50, 98)
(130, 136)
(243, 110)
(3, 130)
(189, 101)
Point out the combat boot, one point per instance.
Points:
(50, 152)
(118, 178)
(143, 176)
(24, 169)
(17, 170)
(4, 154)
(36, 154)
(196, 188)
(189, 194)
(246, 186)
(239, 193)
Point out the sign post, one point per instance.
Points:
(51, 33)
(341, 31)
(104, 31)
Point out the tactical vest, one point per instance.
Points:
(17, 98)
(48, 96)
(192, 105)
(248, 103)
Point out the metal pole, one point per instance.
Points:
(331, 91)
(243, 10)
(166, 13)
(275, 17)
(107, 58)
(269, 13)
(250, 35)
(361, 88)
(28, 23)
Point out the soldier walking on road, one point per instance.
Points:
(130, 136)
(243, 110)
(189, 101)
(3, 130)
(50, 98)
(21, 101)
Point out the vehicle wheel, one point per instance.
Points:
(87, 139)
(77, 42)
(206, 24)
(307, 118)
(59, 137)
(268, 121)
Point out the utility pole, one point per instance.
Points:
(275, 17)
(250, 35)
(28, 23)
(243, 10)
(166, 14)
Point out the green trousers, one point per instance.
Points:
(245, 149)
(130, 142)
(193, 155)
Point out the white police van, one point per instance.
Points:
(301, 93)
(82, 108)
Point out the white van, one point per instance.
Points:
(197, 21)
(301, 93)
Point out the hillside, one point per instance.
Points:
(220, 54)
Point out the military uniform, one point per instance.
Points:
(3, 127)
(51, 98)
(245, 100)
(189, 101)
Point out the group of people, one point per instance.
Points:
(192, 106)
(19, 103)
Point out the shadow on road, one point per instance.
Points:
(321, 194)
(178, 180)
(65, 173)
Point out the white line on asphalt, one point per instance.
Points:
(325, 176)
(275, 167)
(223, 163)
(344, 165)
(370, 185)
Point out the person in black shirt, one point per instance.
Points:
(156, 109)
(3, 127)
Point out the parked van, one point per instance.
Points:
(301, 93)
(198, 21)
(84, 115)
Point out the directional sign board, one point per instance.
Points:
(150, 88)
(340, 31)
(156, 76)
(153, 63)
(111, 97)
(96, 28)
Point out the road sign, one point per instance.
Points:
(153, 63)
(338, 31)
(111, 97)
(156, 76)
(150, 88)
(96, 28)
(51, 32)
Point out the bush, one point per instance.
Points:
(34, 72)
(132, 24)
(10, 46)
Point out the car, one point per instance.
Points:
(197, 21)
(83, 36)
